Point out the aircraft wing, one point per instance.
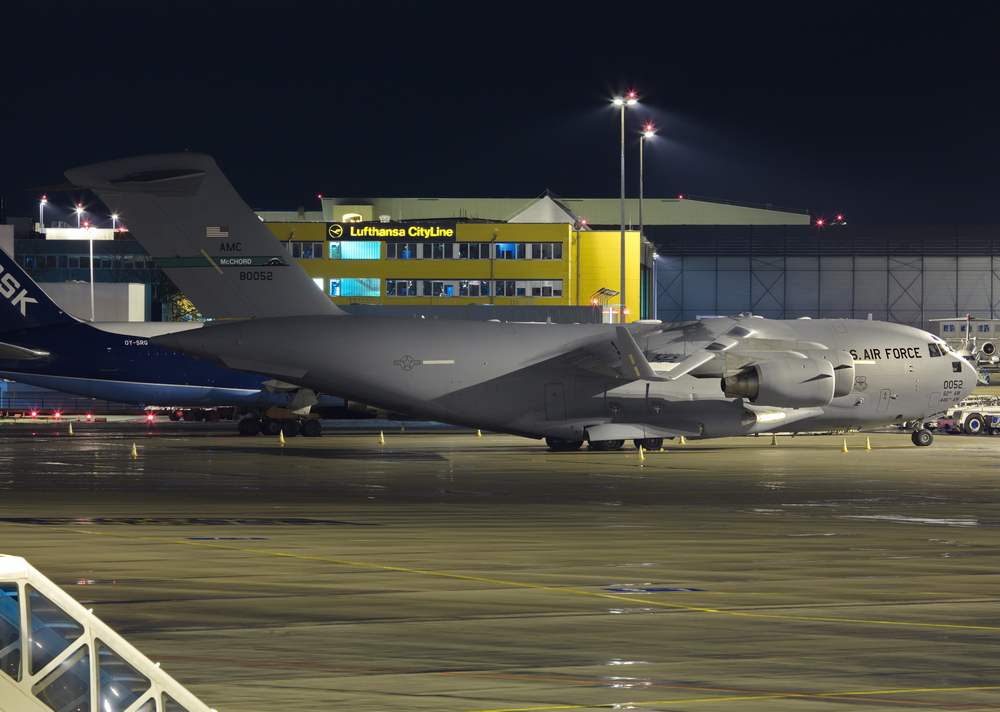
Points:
(691, 344)
(13, 352)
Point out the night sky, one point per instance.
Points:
(885, 113)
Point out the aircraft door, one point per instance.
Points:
(555, 401)
(883, 400)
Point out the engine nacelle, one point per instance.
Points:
(785, 383)
(843, 369)
(366, 409)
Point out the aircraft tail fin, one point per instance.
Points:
(191, 220)
(23, 304)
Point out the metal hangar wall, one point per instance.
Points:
(903, 274)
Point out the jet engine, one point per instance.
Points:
(843, 369)
(785, 383)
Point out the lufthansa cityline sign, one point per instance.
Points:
(391, 232)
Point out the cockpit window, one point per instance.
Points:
(935, 350)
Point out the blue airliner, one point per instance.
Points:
(44, 346)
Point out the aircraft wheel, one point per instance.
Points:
(649, 443)
(212, 416)
(290, 428)
(311, 429)
(973, 424)
(249, 426)
(174, 415)
(188, 416)
(563, 445)
(607, 445)
(922, 437)
(270, 426)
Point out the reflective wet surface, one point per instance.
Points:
(445, 571)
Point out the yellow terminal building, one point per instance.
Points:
(359, 261)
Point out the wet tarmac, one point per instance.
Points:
(449, 572)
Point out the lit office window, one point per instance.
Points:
(400, 250)
(474, 288)
(363, 287)
(306, 250)
(400, 287)
(360, 250)
(949, 327)
(984, 327)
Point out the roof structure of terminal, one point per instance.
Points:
(548, 208)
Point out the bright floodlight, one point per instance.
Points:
(619, 101)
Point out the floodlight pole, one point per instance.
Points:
(621, 310)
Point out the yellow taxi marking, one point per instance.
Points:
(518, 584)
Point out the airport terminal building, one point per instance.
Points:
(549, 257)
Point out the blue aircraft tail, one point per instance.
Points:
(23, 304)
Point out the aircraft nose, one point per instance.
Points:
(969, 378)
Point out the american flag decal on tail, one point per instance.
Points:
(218, 231)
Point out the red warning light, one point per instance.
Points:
(150, 417)
(34, 414)
(88, 417)
(631, 94)
(680, 197)
(820, 222)
(57, 415)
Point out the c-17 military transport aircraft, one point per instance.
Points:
(569, 384)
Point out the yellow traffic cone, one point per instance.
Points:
(479, 433)
(774, 439)
(135, 453)
(381, 438)
(70, 428)
(682, 441)
(641, 456)
(844, 449)
(281, 437)
(868, 442)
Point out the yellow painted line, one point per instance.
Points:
(516, 584)
(876, 697)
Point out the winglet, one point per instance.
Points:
(635, 367)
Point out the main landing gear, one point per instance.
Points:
(922, 436)
(563, 445)
(252, 425)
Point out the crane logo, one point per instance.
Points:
(8, 289)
